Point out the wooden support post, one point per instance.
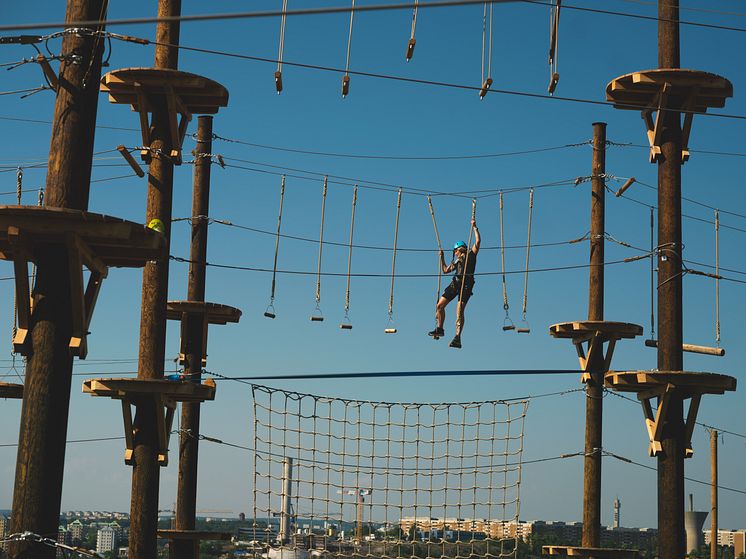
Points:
(713, 494)
(195, 334)
(46, 396)
(596, 361)
(671, 533)
(146, 469)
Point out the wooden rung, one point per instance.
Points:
(345, 326)
(10, 390)
(345, 85)
(390, 331)
(278, 82)
(553, 81)
(485, 88)
(410, 48)
(691, 348)
(316, 318)
(193, 535)
(48, 72)
(131, 160)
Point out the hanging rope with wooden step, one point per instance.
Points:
(486, 77)
(412, 42)
(440, 250)
(554, 17)
(391, 328)
(508, 324)
(281, 49)
(346, 324)
(717, 278)
(346, 77)
(317, 315)
(270, 312)
(524, 327)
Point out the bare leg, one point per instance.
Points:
(440, 311)
(460, 308)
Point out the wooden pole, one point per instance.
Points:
(594, 387)
(714, 494)
(46, 396)
(186, 497)
(145, 472)
(671, 532)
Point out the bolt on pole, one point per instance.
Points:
(46, 396)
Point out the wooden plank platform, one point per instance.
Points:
(132, 86)
(193, 535)
(215, 312)
(10, 390)
(590, 552)
(114, 241)
(690, 90)
(585, 329)
(689, 382)
(168, 390)
(665, 385)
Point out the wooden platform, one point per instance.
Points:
(215, 313)
(193, 535)
(596, 333)
(664, 385)
(590, 552)
(92, 240)
(10, 390)
(164, 393)
(688, 91)
(184, 94)
(208, 313)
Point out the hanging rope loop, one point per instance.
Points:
(554, 16)
(270, 312)
(346, 77)
(525, 329)
(507, 322)
(349, 253)
(412, 42)
(318, 316)
(281, 49)
(486, 47)
(440, 251)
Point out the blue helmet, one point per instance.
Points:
(459, 244)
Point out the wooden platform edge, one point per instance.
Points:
(193, 535)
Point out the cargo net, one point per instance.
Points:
(349, 478)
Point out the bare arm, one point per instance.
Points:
(477, 237)
(446, 268)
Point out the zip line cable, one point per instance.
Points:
(335, 10)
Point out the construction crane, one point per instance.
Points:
(360, 492)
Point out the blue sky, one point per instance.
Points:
(395, 118)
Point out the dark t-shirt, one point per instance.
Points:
(470, 267)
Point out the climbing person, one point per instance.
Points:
(462, 286)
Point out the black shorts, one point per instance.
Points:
(453, 290)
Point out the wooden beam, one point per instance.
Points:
(691, 419)
(21, 255)
(128, 433)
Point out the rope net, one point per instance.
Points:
(350, 478)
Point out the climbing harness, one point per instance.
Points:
(460, 305)
(270, 312)
(507, 322)
(524, 328)
(281, 50)
(486, 78)
(317, 315)
(391, 329)
(346, 77)
(346, 324)
(554, 16)
(412, 41)
(440, 249)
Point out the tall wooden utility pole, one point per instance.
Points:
(671, 533)
(145, 472)
(46, 397)
(186, 498)
(714, 494)
(595, 386)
